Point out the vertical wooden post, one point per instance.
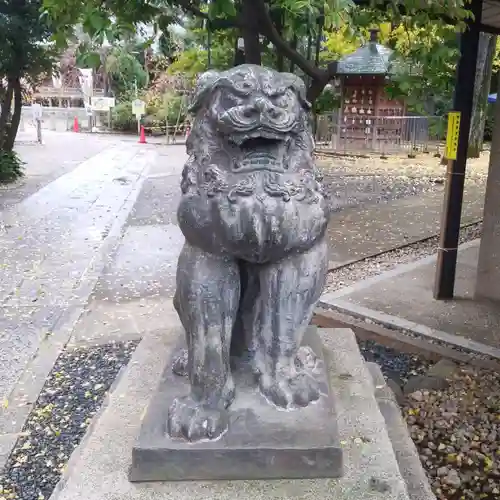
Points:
(444, 284)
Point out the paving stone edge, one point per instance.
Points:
(406, 453)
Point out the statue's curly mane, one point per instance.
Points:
(250, 159)
(209, 166)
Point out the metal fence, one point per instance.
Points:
(379, 134)
(382, 135)
(62, 119)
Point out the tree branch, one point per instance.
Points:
(188, 6)
(218, 23)
(267, 28)
(402, 10)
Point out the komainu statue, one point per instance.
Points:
(255, 258)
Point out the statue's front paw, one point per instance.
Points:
(194, 421)
(286, 391)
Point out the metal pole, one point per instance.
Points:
(444, 284)
(39, 130)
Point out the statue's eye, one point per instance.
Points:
(244, 86)
(231, 100)
(283, 100)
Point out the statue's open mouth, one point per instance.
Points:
(261, 151)
(260, 144)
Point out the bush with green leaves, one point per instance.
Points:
(159, 109)
(11, 166)
(122, 118)
(172, 108)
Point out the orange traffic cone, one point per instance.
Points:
(142, 138)
(76, 127)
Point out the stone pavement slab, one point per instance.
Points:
(98, 469)
(358, 232)
(106, 321)
(44, 163)
(158, 201)
(144, 265)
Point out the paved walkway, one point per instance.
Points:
(402, 300)
(133, 292)
(59, 155)
(52, 249)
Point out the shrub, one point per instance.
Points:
(122, 117)
(172, 107)
(11, 166)
(161, 107)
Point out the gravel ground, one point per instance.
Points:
(71, 396)
(348, 275)
(351, 181)
(423, 166)
(457, 433)
(354, 190)
(395, 365)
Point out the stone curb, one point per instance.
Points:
(416, 329)
(400, 269)
(330, 316)
(406, 453)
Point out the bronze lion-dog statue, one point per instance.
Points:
(253, 266)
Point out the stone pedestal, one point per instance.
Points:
(380, 461)
(262, 442)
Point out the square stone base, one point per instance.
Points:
(262, 442)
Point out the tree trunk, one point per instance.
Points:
(16, 116)
(294, 44)
(316, 87)
(486, 53)
(279, 22)
(251, 34)
(4, 115)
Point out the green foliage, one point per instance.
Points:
(328, 101)
(11, 166)
(427, 79)
(169, 107)
(24, 56)
(122, 118)
(159, 108)
(427, 44)
(125, 71)
(24, 50)
(339, 43)
(190, 62)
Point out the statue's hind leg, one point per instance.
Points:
(207, 298)
(289, 291)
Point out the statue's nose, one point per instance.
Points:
(261, 104)
(264, 106)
